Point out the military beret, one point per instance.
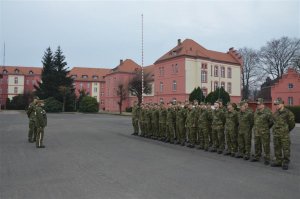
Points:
(278, 101)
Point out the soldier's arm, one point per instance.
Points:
(291, 121)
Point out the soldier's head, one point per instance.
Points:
(245, 101)
(230, 106)
(40, 103)
(217, 105)
(243, 106)
(35, 99)
(279, 104)
(220, 101)
(208, 105)
(260, 103)
(195, 102)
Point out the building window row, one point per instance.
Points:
(175, 68)
(215, 71)
(161, 71)
(229, 89)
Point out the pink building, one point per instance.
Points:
(287, 88)
(17, 80)
(189, 65)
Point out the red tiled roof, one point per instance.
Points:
(90, 72)
(22, 70)
(191, 48)
(128, 66)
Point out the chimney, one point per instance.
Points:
(179, 41)
(121, 61)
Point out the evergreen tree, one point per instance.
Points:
(197, 94)
(219, 93)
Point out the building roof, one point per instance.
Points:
(127, 66)
(190, 48)
(89, 74)
(22, 70)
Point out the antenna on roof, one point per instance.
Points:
(142, 58)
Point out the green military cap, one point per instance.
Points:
(259, 101)
(278, 101)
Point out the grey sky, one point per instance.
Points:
(100, 33)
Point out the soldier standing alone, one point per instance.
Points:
(135, 118)
(32, 121)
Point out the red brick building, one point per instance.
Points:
(287, 88)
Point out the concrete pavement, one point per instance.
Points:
(94, 156)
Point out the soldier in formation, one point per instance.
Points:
(225, 130)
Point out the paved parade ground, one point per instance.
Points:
(95, 156)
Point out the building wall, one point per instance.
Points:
(15, 85)
(3, 90)
(284, 91)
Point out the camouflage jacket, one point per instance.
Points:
(182, 114)
(246, 120)
(218, 117)
(31, 111)
(231, 120)
(162, 116)
(263, 119)
(41, 117)
(148, 116)
(171, 116)
(155, 116)
(284, 119)
(205, 118)
(191, 118)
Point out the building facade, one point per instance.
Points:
(287, 88)
(172, 77)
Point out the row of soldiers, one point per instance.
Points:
(37, 122)
(225, 130)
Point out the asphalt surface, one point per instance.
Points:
(94, 156)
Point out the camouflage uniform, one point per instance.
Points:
(245, 133)
(170, 125)
(284, 122)
(41, 123)
(142, 121)
(182, 113)
(204, 123)
(231, 127)
(135, 119)
(191, 123)
(162, 123)
(262, 123)
(155, 122)
(218, 137)
(32, 120)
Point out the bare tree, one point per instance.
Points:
(135, 85)
(122, 93)
(251, 74)
(278, 54)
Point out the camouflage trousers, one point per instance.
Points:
(218, 138)
(282, 145)
(162, 130)
(204, 136)
(170, 132)
(135, 124)
(181, 133)
(142, 126)
(231, 140)
(244, 142)
(262, 140)
(155, 129)
(32, 131)
(148, 128)
(192, 135)
(200, 136)
(39, 136)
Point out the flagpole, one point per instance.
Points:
(142, 58)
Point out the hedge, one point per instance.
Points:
(88, 104)
(52, 105)
(296, 111)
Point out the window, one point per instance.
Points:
(229, 72)
(88, 85)
(161, 100)
(102, 102)
(204, 66)
(229, 87)
(204, 91)
(161, 71)
(174, 85)
(216, 71)
(176, 68)
(84, 76)
(80, 85)
(16, 80)
(223, 71)
(95, 84)
(223, 84)
(30, 73)
(4, 71)
(203, 76)
(161, 87)
(73, 76)
(174, 99)
(17, 71)
(290, 86)
(102, 93)
(216, 85)
(27, 82)
(95, 89)
(15, 90)
(95, 77)
(290, 101)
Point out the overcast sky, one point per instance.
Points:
(100, 33)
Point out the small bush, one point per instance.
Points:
(52, 105)
(128, 109)
(88, 104)
(296, 111)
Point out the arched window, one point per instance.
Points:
(204, 76)
(16, 80)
